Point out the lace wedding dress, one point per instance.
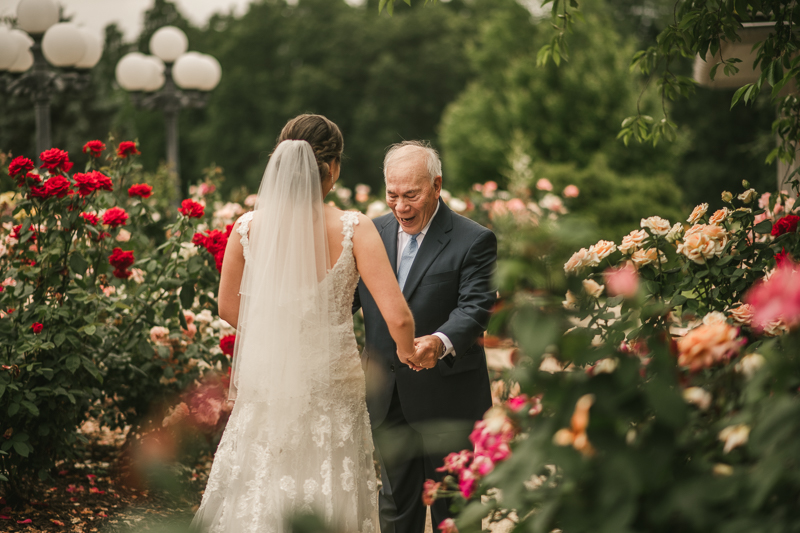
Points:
(321, 461)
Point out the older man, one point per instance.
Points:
(424, 408)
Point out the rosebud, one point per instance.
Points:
(745, 184)
(727, 196)
(748, 196)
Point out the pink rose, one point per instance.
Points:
(571, 191)
(467, 483)
(543, 184)
(776, 299)
(622, 281)
(454, 463)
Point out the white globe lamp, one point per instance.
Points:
(155, 79)
(63, 45)
(24, 59)
(94, 49)
(9, 48)
(190, 71)
(214, 73)
(168, 43)
(36, 16)
(133, 71)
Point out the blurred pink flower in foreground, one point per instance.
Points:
(448, 526)
(489, 189)
(622, 281)
(571, 191)
(777, 298)
(544, 185)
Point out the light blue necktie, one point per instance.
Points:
(406, 261)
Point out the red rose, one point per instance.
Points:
(15, 233)
(102, 235)
(18, 165)
(127, 148)
(198, 239)
(38, 192)
(94, 148)
(116, 216)
(103, 181)
(228, 230)
(226, 344)
(215, 242)
(787, 224)
(192, 209)
(140, 189)
(55, 159)
(37, 327)
(86, 183)
(57, 186)
(121, 260)
(90, 218)
(782, 257)
(22, 179)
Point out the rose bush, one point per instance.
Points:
(668, 381)
(106, 310)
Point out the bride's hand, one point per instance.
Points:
(406, 360)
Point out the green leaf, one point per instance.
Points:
(73, 363)
(765, 226)
(738, 94)
(78, 263)
(89, 329)
(144, 348)
(13, 409)
(22, 448)
(2, 389)
(59, 338)
(187, 294)
(31, 407)
(678, 299)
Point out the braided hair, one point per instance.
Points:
(323, 135)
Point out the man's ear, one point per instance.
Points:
(437, 185)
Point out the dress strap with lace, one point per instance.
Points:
(349, 221)
(243, 230)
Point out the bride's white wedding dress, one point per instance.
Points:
(320, 461)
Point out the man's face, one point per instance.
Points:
(409, 192)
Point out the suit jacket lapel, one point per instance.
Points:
(389, 236)
(432, 245)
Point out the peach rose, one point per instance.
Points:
(603, 249)
(570, 302)
(632, 241)
(571, 191)
(742, 315)
(697, 213)
(702, 242)
(581, 259)
(543, 184)
(714, 317)
(656, 225)
(158, 334)
(675, 233)
(592, 288)
(642, 258)
(719, 216)
(734, 436)
(707, 345)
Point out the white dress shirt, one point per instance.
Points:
(403, 239)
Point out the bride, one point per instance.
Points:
(299, 439)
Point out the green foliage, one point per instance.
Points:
(649, 421)
(95, 353)
(559, 115)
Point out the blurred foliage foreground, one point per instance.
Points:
(661, 394)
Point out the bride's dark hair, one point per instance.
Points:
(323, 135)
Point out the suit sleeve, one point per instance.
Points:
(476, 294)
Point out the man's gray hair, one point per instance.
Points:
(432, 160)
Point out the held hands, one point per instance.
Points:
(428, 349)
(426, 354)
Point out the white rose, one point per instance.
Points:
(697, 396)
(734, 436)
(675, 233)
(714, 317)
(748, 196)
(749, 364)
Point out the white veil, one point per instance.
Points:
(282, 351)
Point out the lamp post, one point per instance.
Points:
(169, 80)
(28, 54)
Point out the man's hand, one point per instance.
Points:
(429, 348)
(407, 361)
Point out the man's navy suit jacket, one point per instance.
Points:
(449, 289)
